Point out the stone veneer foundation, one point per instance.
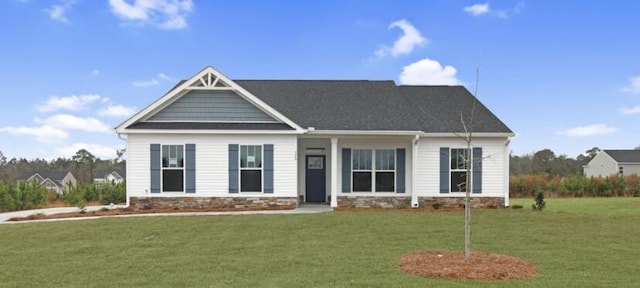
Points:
(240, 203)
(405, 202)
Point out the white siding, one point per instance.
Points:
(377, 143)
(212, 167)
(631, 169)
(493, 166)
(601, 165)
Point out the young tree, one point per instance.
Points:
(468, 137)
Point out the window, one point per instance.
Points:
(385, 170)
(172, 168)
(361, 165)
(250, 168)
(366, 176)
(458, 170)
(621, 170)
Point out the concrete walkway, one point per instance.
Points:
(303, 209)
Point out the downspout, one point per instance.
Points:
(127, 168)
(414, 172)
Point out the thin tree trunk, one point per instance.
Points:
(467, 204)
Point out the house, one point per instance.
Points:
(112, 176)
(215, 142)
(52, 180)
(613, 162)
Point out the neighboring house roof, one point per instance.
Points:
(119, 173)
(351, 105)
(624, 156)
(53, 175)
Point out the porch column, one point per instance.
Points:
(414, 171)
(334, 172)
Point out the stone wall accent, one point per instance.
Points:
(405, 202)
(374, 202)
(458, 202)
(239, 203)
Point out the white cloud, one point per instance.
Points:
(95, 72)
(164, 14)
(632, 110)
(634, 85)
(590, 130)
(70, 122)
(57, 11)
(151, 82)
(45, 133)
(100, 151)
(428, 72)
(485, 9)
(164, 76)
(477, 9)
(117, 111)
(73, 102)
(410, 38)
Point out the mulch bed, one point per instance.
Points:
(453, 265)
(376, 209)
(124, 211)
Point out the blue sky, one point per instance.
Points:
(564, 75)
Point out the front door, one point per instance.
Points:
(315, 179)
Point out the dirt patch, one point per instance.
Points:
(453, 265)
(378, 209)
(125, 211)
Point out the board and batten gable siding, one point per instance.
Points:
(493, 175)
(212, 163)
(601, 165)
(377, 143)
(212, 106)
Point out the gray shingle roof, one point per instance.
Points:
(373, 105)
(624, 156)
(53, 175)
(362, 105)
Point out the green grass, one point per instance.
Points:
(596, 206)
(340, 249)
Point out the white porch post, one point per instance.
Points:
(414, 171)
(334, 172)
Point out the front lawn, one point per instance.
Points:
(339, 249)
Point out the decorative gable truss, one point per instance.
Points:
(209, 96)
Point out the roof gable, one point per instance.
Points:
(212, 83)
(212, 106)
(624, 156)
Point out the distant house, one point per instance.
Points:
(611, 162)
(52, 180)
(109, 176)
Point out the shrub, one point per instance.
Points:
(74, 195)
(112, 193)
(540, 203)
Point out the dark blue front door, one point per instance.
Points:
(315, 179)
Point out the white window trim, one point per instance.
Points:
(240, 169)
(183, 168)
(373, 171)
(451, 170)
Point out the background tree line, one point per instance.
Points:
(562, 176)
(83, 165)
